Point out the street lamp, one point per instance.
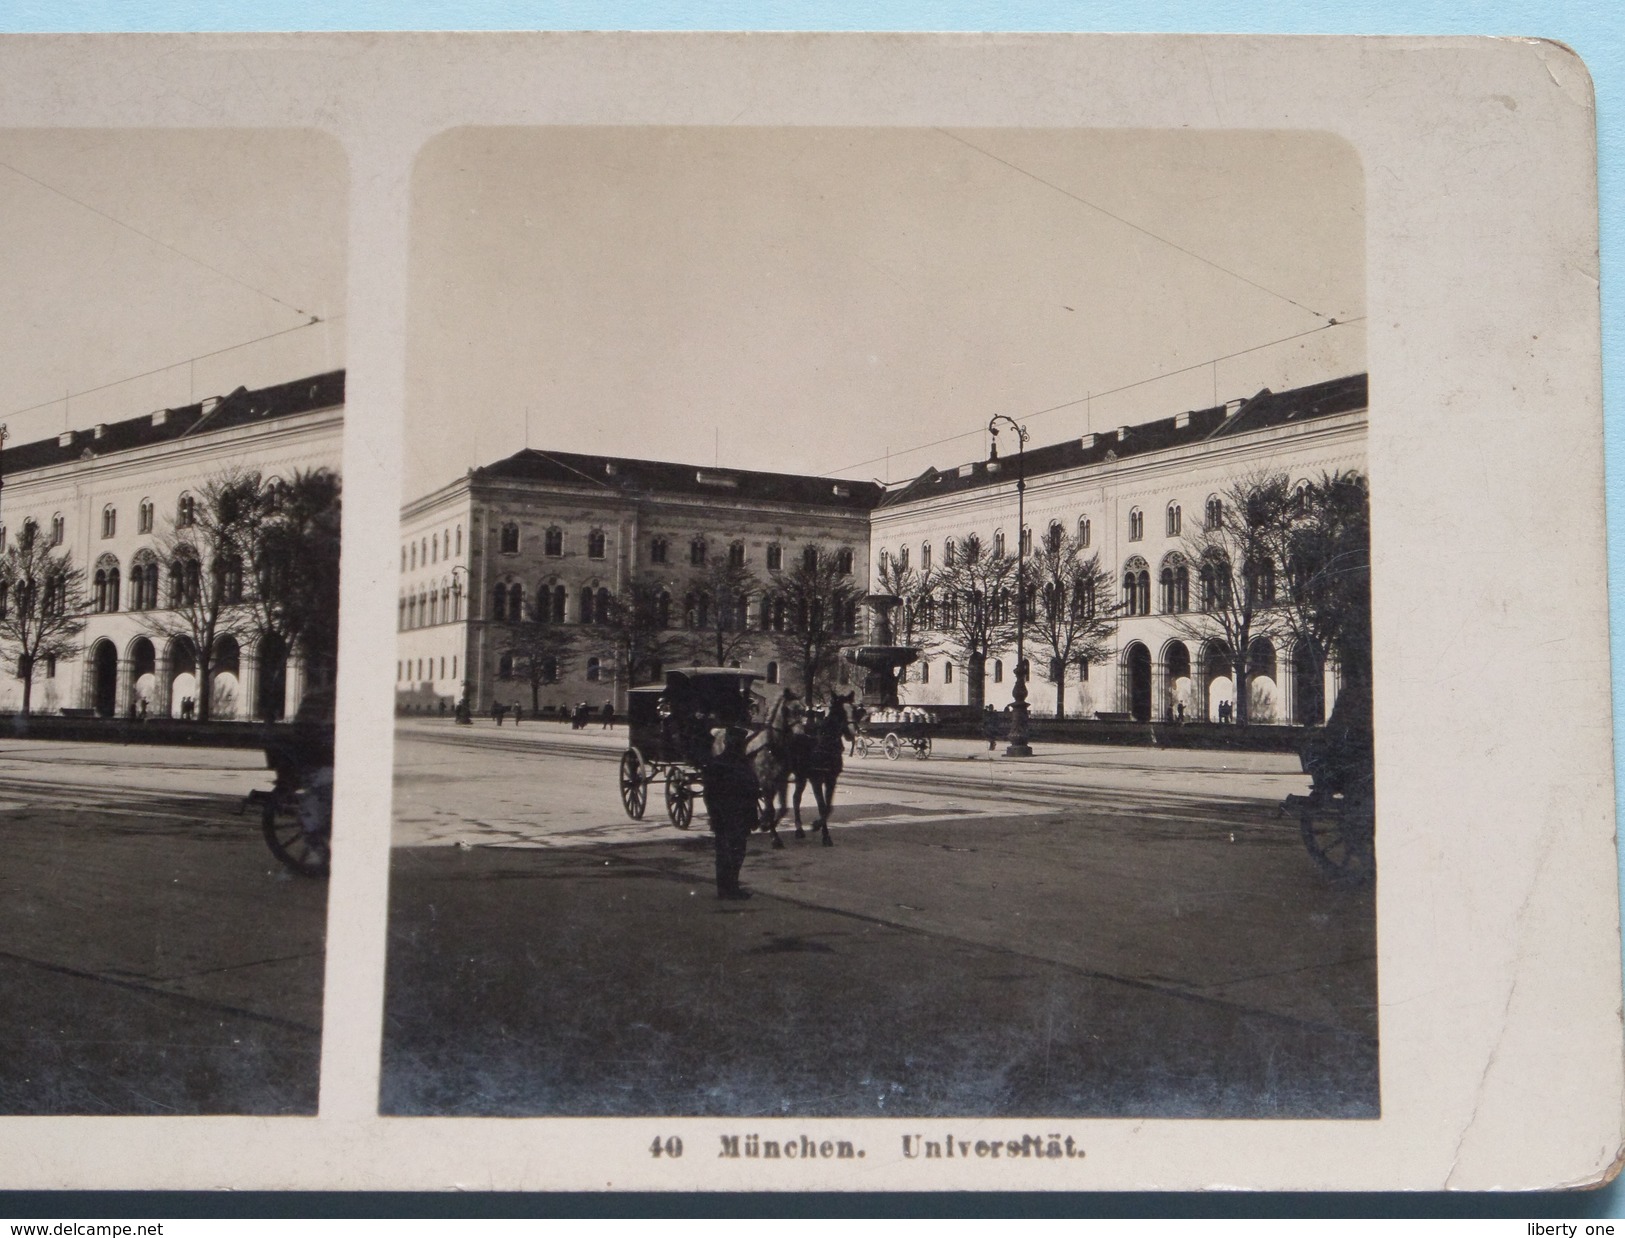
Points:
(1019, 730)
(464, 711)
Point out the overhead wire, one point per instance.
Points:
(147, 236)
(1055, 408)
(1129, 223)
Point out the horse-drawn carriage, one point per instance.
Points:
(891, 730)
(296, 814)
(1337, 819)
(669, 733)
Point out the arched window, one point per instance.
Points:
(144, 581)
(809, 558)
(696, 552)
(1026, 541)
(1174, 585)
(657, 550)
(902, 558)
(843, 561)
(1261, 583)
(1173, 519)
(228, 573)
(516, 603)
(925, 556)
(1053, 536)
(550, 670)
(101, 590)
(973, 548)
(509, 539)
(434, 549)
(925, 672)
(59, 528)
(143, 521)
(1136, 524)
(772, 672)
(605, 601)
(584, 615)
(414, 557)
(505, 666)
(947, 672)
(186, 511)
(109, 521)
(594, 669)
(736, 554)
(1136, 587)
(775, 557)
(663, 610)
(948, 550)
(499, 604)
(1215, 584)
(998, 543)
(998, 670)
(1213, 516)
(459, 549)
(595, 544)
(1084, 531)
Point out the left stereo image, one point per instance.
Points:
(170, 498)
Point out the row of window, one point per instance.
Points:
(185, 517)
(1174, 581)
(404, 670)
(660, 549)
(432, 549)
(971, 547)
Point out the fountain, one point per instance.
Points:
(881, 659)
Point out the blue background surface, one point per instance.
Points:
(1595, 29)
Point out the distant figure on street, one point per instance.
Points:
(499, 711)
(990, 726)
(732, 801)
(141, 709)
(518, 713)
(1179, 713)
(859, 714)
(186, 709)
(442, 707)
(608, 715)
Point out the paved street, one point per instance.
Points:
(1097, 931)
(154, 957)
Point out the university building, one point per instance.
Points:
(109, 494)
(566, 531)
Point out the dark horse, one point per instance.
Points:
(815, 757)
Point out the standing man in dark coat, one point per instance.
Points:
(732, 801)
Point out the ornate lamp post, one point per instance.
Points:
(1019, 730)
(464, 712)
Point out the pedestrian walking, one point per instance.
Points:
(608, 715)
(859, 716)
(498, 712)
(729, 787)
(990, 726)
(518, 713)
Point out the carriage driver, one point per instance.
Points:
(731, 793)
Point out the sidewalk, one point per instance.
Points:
(1045, 753)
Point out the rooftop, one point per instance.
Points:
(616, 474)
(1263, 411)
(241, 407)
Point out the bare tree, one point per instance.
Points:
(631, 630)
(914, 623)
(975, 605)
(206, 547)
(1071, 611)
(291, 543)
(542, 652)
(813, 610)
(1324, 547)
(42, 605)
(1233, 552)
(716, 613)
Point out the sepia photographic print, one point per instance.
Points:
(169, 540)
(884, 627)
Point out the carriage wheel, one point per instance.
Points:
(893, 746)
(863, 745)
(634, 788)
(923, 747)
(304, 851)
(679, 800)
(1340, 836)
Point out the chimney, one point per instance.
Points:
(99, 429)
(1087, 441)
(1181, 420)
(1122, 434)
(159, 416)
(65, 439)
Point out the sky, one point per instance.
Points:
(829, 301)
(127, 252)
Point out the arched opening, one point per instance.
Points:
(225, 677)
(1263, 700)
(1176, 658)
(1137, 662)
(1217, 683)
(105, 680)
(271, 703)
(1308, 688)
(181, 698)
(143, 677)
